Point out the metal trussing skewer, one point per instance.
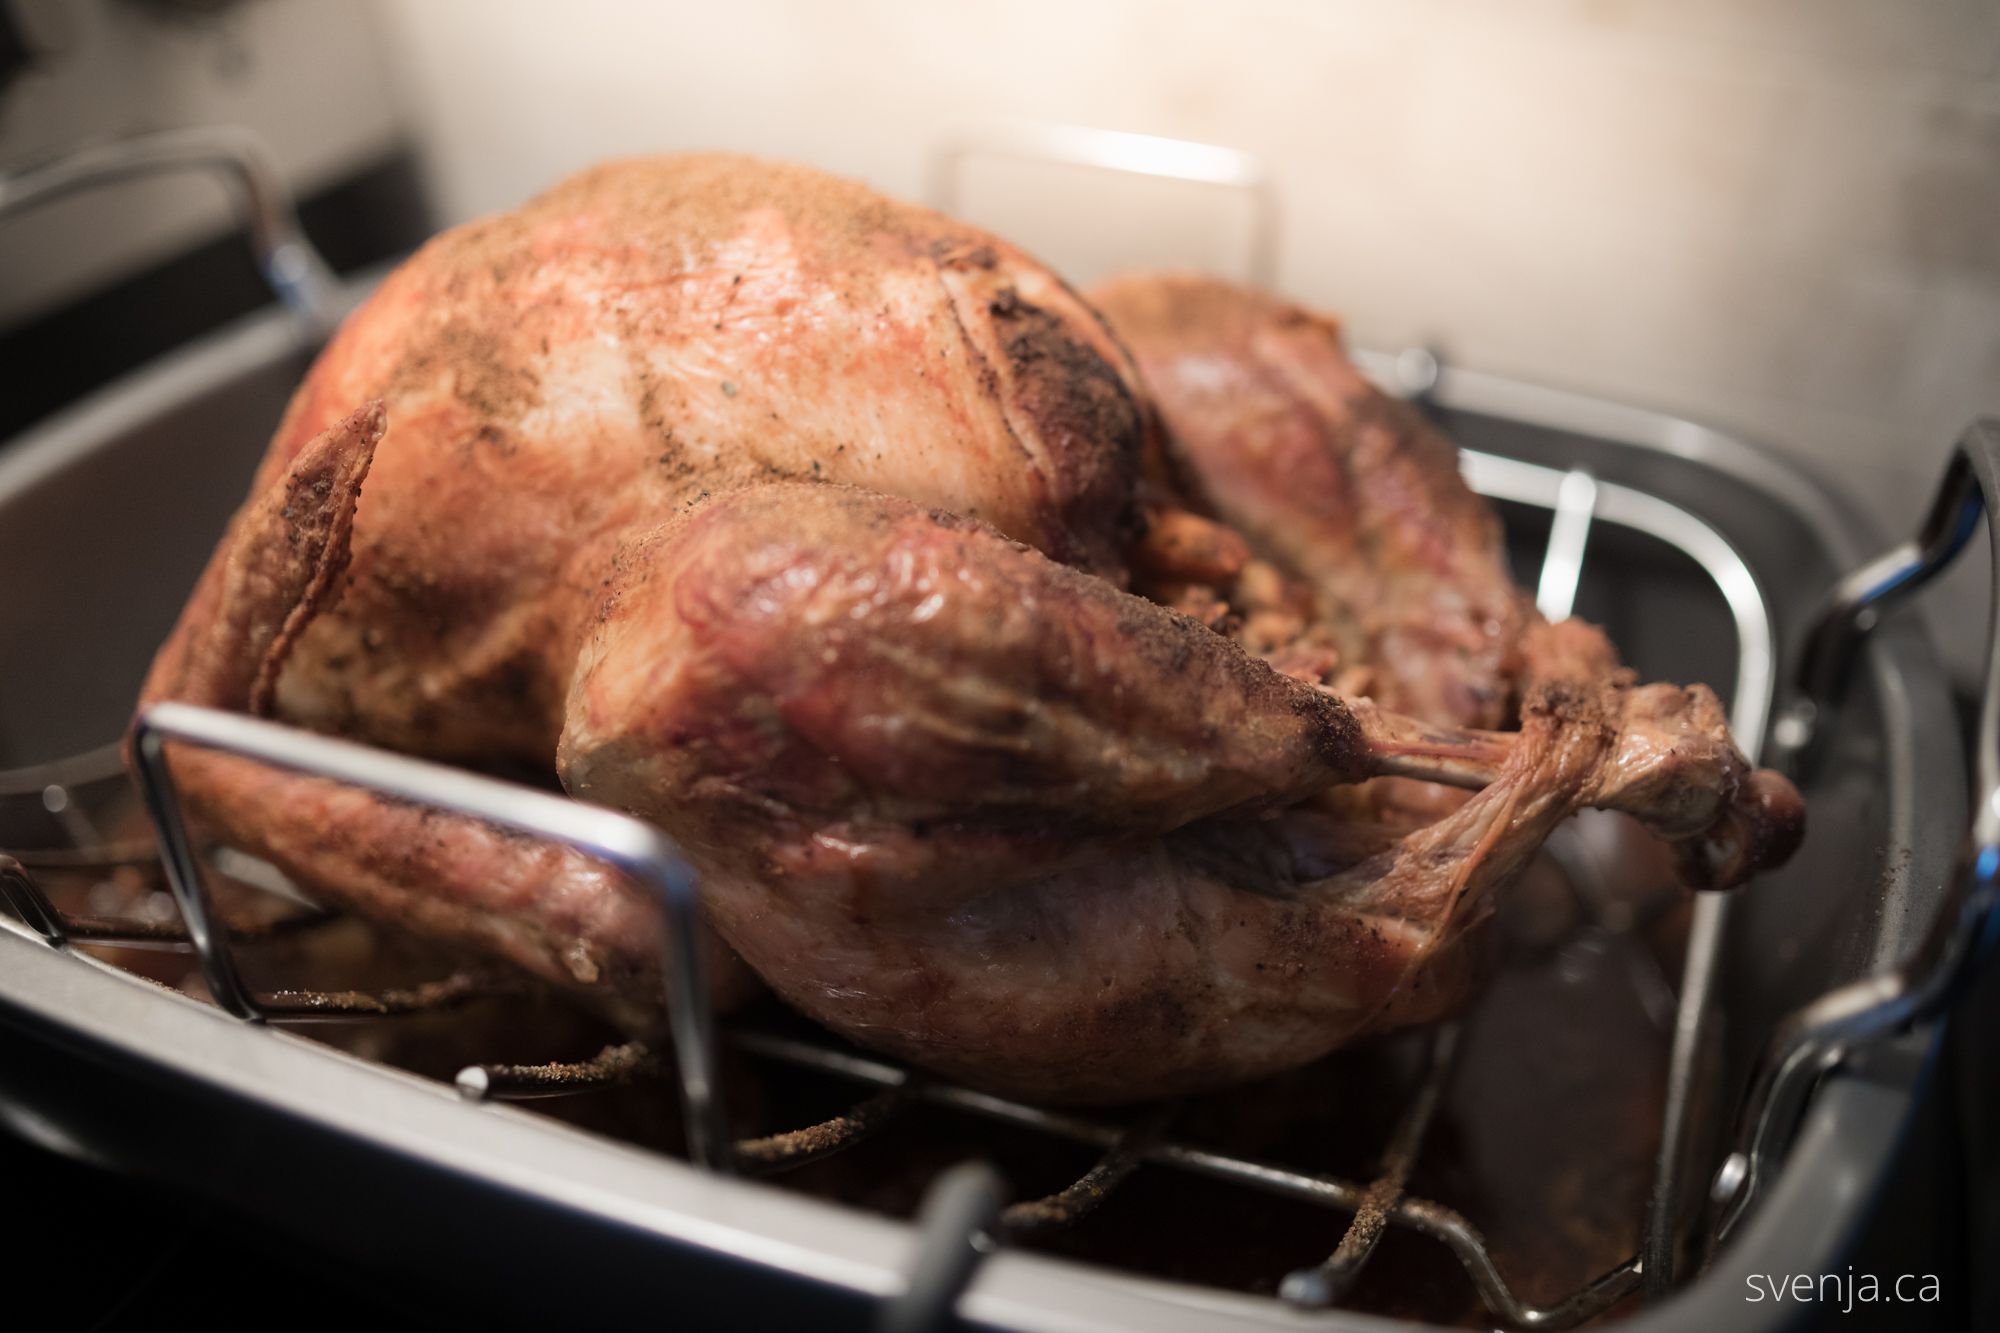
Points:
(632, 846)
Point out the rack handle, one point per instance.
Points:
(294, 269)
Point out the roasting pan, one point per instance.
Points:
(108, 511)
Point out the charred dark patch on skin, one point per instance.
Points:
(1083, 410)
(1166, 643)
(1336, 733)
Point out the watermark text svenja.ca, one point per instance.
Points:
(1845, 1290)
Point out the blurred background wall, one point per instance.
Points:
(1779, 217)
(312, 81)
(103, 280)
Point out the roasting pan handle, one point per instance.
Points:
(1967, 927)
(294, 269)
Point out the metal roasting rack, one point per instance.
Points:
(963, 1219)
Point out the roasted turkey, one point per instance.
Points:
(1072, 746)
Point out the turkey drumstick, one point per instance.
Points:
(1309, 467)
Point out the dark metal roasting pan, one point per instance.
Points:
(1712, 560)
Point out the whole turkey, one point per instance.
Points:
(1070, 746)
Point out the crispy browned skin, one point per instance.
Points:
(1273, 430)
(646, 335)
(796, 521)
(1270, 427)
(535, 905)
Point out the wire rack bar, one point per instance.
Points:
(1421, 1215)
(793, 1148)
(1077, 1200)
(614, 1066)
(1569, 536)
(24, 894)
(1328, 1283)
(137, 853)
(346, 1006)
(636, 849)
